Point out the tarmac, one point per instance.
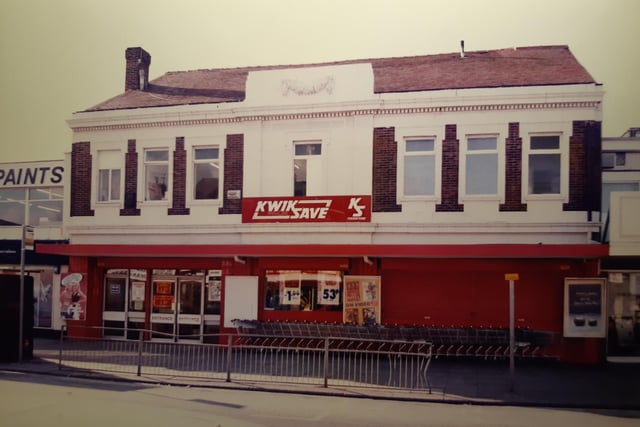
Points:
(539, 383)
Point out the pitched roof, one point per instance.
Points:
(525, 66)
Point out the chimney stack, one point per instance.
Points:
(137, 71)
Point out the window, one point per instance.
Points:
(108, 176)
(156, 170)
(544, 165)
(33, 206)
(419, 167)
(206, 169)
(307, 171)
(295, 290)
(481, 171)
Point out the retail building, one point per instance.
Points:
(395, 191)
(621, 229)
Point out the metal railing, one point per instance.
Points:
(322, 361)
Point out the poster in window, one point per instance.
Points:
(362, 300)
(584, 314)
(290, 292)
(73, 296)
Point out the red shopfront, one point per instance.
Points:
(433, 285)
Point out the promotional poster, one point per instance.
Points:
(362, 300)
(73, 296)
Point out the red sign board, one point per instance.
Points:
(307, 209)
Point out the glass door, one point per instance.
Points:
(163, 309)
(189, 320)
(115, 303)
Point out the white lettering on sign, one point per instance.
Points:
(354, 204)
(31, 174)
(292, 209)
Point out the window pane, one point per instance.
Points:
(156, 156)
(482, 174)
(545, 142)
(308, 149)
(300, 177)
(419, 145)
(12, 206)
(294, 290)
(419, 175)
(39, 194)
(156, 182)
(115, 184)
(482, 144)
(206, 153)
(206, 179)
(103, 185)
(544, 174)
(114, 294)
(45, 212)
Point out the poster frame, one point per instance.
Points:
(580, 321)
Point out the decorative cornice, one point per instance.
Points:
(343, 113)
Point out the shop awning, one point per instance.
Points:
(370, 250)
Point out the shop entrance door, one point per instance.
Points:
(163, 309)
(190, 306)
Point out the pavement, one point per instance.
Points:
(540, 383)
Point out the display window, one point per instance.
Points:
(298, 290)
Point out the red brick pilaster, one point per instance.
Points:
(577, 169)
(450, 171)
(513, 172)
(81, 179)
(130, 181)
(179, 179)
(233, 174)
(385, 171)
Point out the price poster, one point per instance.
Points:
(290, 288)
(362, 300)
(329, 288)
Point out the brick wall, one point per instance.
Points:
(450, 174)
(585, 179)
(130, 181)
(233, 174)
(385, 171)
(513, 172)
(179, 179)
(81, 179)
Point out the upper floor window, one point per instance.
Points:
(544, 164)
(419, 167)
(108, 176)
(156, 173)
(307, 169)
(206, 170)
(481, 170)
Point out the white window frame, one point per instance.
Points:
(143, 175)
(498, 151)
(437, 161)
(315, 170)
(109, 160)
(191, 181)
(562, 151)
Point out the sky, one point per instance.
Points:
(59, 57)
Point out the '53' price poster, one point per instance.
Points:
(362, 300)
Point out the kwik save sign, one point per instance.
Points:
(307, 209)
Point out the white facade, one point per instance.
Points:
(336, 107)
